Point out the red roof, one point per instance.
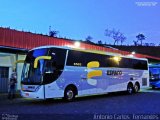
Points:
(27, 40)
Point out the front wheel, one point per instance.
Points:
(69, 94)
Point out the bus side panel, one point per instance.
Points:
(97, 85)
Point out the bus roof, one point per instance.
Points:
(89, 51)
(51, 46)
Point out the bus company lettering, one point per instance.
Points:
(114, 72)
(77, 64)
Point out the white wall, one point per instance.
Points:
(19, 70)
(8, 60)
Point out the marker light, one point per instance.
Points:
(133, 53)
(77, 44)
(117, 59)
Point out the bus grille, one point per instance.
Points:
(144, 81)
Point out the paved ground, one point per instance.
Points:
(95, 107)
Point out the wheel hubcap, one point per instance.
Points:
(136, 88)
(69, 94)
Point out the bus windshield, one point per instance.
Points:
(154, 73)
(47, 70)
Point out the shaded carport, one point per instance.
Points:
(8, 55)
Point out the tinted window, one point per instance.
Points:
(140, 64)
(31, 75)
(50, 70)
(133, 63)
(78, 58)
(54, 67)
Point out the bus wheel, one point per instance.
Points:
(136, 87)
(153, 87)
(130, 88)
(69, 94)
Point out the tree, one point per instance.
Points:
(116, 35)
(140, 37)
(122, 38)
(152, 44)
(146, 44)
(100, 42)
(135, 42)
(89, 39)
(53, 33)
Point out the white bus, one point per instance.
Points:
(52, 71)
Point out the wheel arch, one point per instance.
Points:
(130, 83)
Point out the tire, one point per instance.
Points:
(153, 87)
(69, 94)
(130, 89)
(136, 88)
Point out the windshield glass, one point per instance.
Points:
(47, 70)
(31, 74)
(154, 71)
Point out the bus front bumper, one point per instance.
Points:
(36, 95)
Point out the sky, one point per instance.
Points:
(77, 19)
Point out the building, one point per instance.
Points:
(147, 50)
(15, 44)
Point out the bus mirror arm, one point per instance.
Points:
(39, 58)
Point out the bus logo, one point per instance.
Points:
(93, 73)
